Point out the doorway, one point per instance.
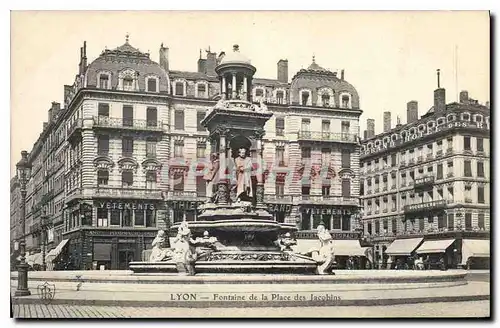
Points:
(125, 256)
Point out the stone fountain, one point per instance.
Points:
(235, 232)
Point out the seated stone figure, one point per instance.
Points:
(325, 255)
(159, 252)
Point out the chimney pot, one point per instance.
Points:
(342, 75)
(440, 100)
(236, 47)
(464, 97)
(412, 111)
(283, 70)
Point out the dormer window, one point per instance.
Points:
(346, 101)
(201, 90)
(152, 85)
(280, 97)
(104, 81)
(128, 84)
(325, 99)
(304, 98)
(179, 89)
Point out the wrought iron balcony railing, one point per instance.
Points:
(131, 124)
(327, 136)
(427, 206)
(131, 193)
(424, 181)
(74, 128)
(278, 199)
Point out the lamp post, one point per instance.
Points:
(23, 172)
(44, 226)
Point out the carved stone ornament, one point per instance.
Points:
(346, 174)
(103, 163)
(151, 164)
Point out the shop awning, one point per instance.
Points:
(403, 246)
(102, 252)
(435, 246)
(474, 248)
(54, 253)
(347, 248)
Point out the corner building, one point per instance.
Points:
(131, 152)
(426, 186)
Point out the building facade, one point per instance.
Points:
(127, 153)
(429, 179)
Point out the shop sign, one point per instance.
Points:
(279, 208)
(326, 211)
(126, 206)
(185, 205)
(344, 235)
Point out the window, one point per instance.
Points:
(393, 160)
(394, 226)
(201, 187)
(377, 227)
(201, 150)
(127, 217)
(152, 117)
(480, 146)
(178, 149)
(259, 92)
(150, 148)
(102, 217)
(199, 117)
(102, 177)
(104, 81)
(103, 145)
(480, 221)
(304, 98)
(440, 221)
(336, 222)
(127, 178)
(325, 156)
(128, 84)
(346, 158)
(451, 221)
(150, 218)
(139, 218)
(280, 97)
(280, 156)
(467, 169)
(127, 146)
(179, 181)
(346, 188)
(346, 222)
(179, 120)
(345, 101)
(280, 126)
(325, 128)
(468, 221)
(128, 115)
(202, 90)
(306, 127)
(325, 100)
(280, 188)
(179, 89)
(439, 171)
(306, 152)
(152, 85)
(103, 109)
(480, 194)
(480, 169)
(151, 180)
(325, 190)
(369, 228)
(306, 190)
(467, 143)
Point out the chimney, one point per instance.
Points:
(412, 111)
(211, 63)
(439, 96)
(387, 121)
(84, 58)
(370, 126)
(464, 97)
(80, 64)
(398, 124)
(202, 65)
(54, 111)
(164, 57)
(283, 70)
(342, 75)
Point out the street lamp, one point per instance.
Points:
(23, 173)
(44, 225)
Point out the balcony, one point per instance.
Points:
(278, 199)
(426, 181)
(420, 159)
(377, 211)
(449, 151)
(327, 136)
(376, 190)
(75, 130)
(426, 207)
(384, 210)
(402, 164)
(439, 153)
(127, 124)
(368, 192)
(384, 188)
(393, 187)
(449, 175)
(130, 193)
(280, 132)
(429, 156)
(412, 161)
(468, 200)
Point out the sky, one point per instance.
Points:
(389, 57)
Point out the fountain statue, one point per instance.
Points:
(243, 176)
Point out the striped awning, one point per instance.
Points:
(474, 248)
(435, 246)
(403, 246)
(54, 253)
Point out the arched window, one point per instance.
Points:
(305, 98)
(325, 100)
(128, 84)
(451, 118)
(345, 100)
(465, 117)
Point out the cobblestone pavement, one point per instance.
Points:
(458, 309)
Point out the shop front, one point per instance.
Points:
(401, 252)
(334, 218)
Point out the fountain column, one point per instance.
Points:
(259, 192)
(224, 96)
(234, 88)
(222, 187)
